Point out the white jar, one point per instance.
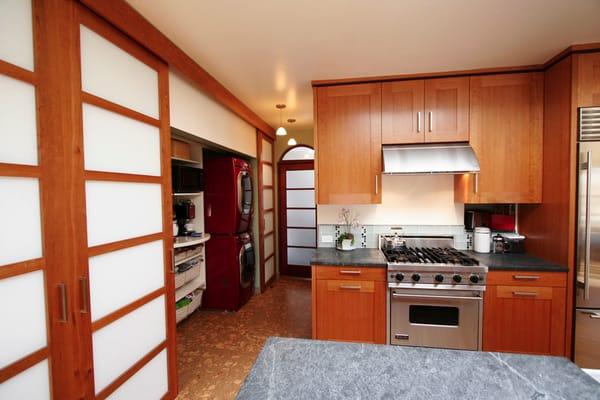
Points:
(482, 239)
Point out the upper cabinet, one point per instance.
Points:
(348, 144)
(587, 70)
(425, 111)
(506, 122)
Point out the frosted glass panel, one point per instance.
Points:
(300, 256)
(119, 210)
(300, 179)
(300, 153)
(20, 225)
(23, 316)
(269, 245)
(300, 198)
(116, 143)
(267, 198)
(121, 344)
(301, 218)
(115, 75)
(269, 268)
(31, 384)
(302, 237)
(267, 151)
(268, 221)
(16, 33)
(150, 382)
(18, 127)
(267, 175)
(121, 277)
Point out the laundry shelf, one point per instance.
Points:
(184, 241)
(199, 282)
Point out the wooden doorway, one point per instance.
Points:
(297, 211)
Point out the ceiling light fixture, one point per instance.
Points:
(292, 142)
(281, 130)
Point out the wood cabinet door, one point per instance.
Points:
(506, 134)
(587, 70)
(447, 110)
(349, 310)
(524, 319)
(402, 117)
(348, 144)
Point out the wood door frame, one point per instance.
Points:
(282, 167)
(261, 209)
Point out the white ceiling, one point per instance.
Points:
(268, 51)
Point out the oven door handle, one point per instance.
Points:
(427, 296)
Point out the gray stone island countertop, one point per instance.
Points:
(358, 257)
(311, 369)
(516, 262)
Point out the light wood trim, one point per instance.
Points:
(129, 21)
(573, 49)
(524, 292)
(346, 286)
(19, 170)
(123, 311)
(124, 377)
(123, 244)
(23, 267)
(18, 73)
(118, 109)
(121, 177)
(527, 278)
(261, 212)
(23, 364)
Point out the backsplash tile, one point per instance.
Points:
(368, 234)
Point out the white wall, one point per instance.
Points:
(196, 113)
(406, 200)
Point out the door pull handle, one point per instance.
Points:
(85, 295)
(62, 291)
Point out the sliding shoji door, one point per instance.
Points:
(266, 198)
(126, 139)
(24, 326)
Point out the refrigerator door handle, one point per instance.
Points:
(588, 228)
(591, 314)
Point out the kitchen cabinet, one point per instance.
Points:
(506, 122)
(348, 144)
(587, 76)
(425, 111)
(525, 312)
(349, 304)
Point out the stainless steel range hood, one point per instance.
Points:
(456, 158)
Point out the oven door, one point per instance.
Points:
(436, 318)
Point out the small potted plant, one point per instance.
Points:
(348, 221)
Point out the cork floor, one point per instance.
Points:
(217, 349)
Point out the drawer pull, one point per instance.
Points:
(526, 277)
(525, 294)
(350, 272)
(351, 287)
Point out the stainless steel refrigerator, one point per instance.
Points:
(587, 302)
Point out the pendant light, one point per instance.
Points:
(292, 141)
(281, 130)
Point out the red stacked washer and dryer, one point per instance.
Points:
(230, 262)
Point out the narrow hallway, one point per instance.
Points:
(217, 349)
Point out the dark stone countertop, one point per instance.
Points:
(516, 262)
(359, 257)
(310, 369)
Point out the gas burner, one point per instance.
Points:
(429, 255)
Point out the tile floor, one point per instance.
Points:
(217, 349)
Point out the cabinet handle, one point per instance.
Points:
(526, 277)
(525, 294)
(351, 287)
(62, 290)
(83, 287)
(350, 272)
(430, 121)
(376, 183)
(419, 121)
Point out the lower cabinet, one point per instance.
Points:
(525, 312)
(349, 304)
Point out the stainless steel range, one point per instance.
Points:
(435, 293)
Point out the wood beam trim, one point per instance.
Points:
(116, 108)
(19, 170)
(17, 72)
(120, 177)
(22, 364)
(131, 22)
(124, 244)
(123, 311)
(20, 268)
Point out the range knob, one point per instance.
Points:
(457, 278)
(399, 276)
(416, 277)
(474, 278)
(439, 278)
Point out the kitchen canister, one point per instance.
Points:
(481, 239)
